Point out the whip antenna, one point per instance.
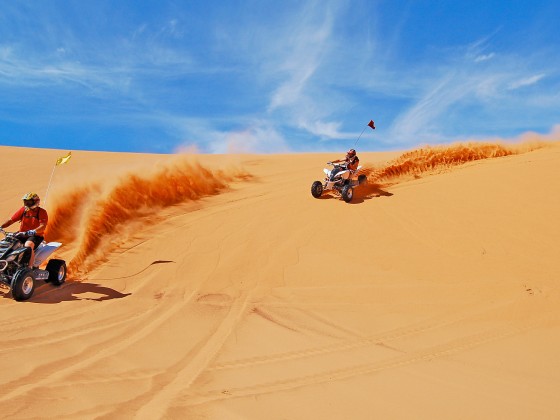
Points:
(370, 124)
(60, 161)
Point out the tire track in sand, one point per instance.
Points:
(449, 319)
(52, 372)
(428, 353)
(157, 406)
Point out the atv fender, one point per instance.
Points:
(44, 251)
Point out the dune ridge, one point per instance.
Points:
(102, 214)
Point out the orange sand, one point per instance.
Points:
(216, 287)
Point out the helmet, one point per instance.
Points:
(351, 153)
(31, 200)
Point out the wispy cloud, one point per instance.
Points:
(34, 72)
(527, 81)
(304, 51)
(255, 136)
(484, 57)
(325, 129)
(422, 119)
(467, 89)
(259, 138)
(62, 57)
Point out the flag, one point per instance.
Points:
(62, 160)
(371, 124)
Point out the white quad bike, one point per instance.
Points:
(339, 179)
(14, 266)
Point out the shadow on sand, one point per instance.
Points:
(70, 291)
(75, 290)
(367, 192)
(361, 194)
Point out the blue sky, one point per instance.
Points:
(275, 76)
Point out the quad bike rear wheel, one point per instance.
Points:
(23, 284)
(317, 189)
(347, 193)
(57, 272)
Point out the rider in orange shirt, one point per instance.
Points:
(351, 160)
(33, 222)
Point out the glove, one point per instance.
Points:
(31, 232)
(329, 163)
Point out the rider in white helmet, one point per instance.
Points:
(33, 222)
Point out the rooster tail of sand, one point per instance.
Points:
(436, 159)
(99, 215)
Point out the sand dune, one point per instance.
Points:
(217, 287)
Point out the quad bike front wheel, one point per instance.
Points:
(317, 189)
(57, 272)
(347, 193)
(23, 284)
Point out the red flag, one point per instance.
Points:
(371, 124)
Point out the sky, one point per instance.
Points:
(265, 76)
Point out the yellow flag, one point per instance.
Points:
(63, 159)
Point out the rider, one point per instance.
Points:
(33, 222)
(351, 160)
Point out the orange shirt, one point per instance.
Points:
(352, 162)
(30, 219)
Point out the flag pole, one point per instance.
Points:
(60, 161)
(356, 142)
(371, 125)
(48, 187)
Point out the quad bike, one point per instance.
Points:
(339, 179)
(14, 266)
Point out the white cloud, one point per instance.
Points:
(304, 51)
(484, 57)
(36, 72)
(289, 92)
(423, 117)
(324, 129)
(255, 139)
(527, 81)
(256, 136)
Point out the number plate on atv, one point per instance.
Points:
(41, 274)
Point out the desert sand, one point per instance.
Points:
(217, 287)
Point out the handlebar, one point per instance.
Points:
(344, 164)
(6, 234)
